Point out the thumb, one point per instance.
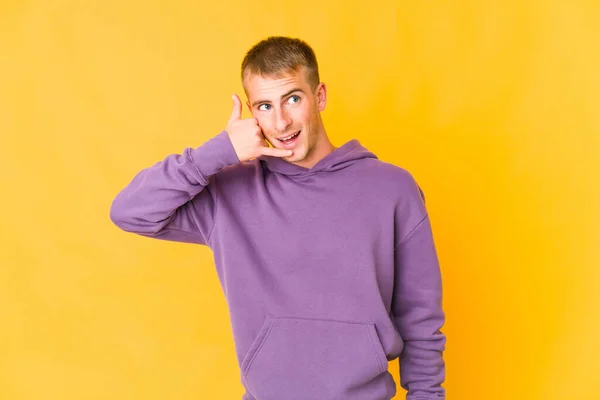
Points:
(236, 112)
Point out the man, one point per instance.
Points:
(325, 254)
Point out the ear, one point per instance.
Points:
(321, 94)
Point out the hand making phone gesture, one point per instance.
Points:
(247, 136)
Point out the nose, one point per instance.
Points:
(282, 120)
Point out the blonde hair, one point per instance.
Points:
(277, 55)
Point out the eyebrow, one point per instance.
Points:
(282, 96)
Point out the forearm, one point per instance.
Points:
(149, 202)
(422, 368)
(419, 315)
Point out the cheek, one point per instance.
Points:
(302, 116)
(264, 123)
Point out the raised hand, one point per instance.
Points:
(247, 136)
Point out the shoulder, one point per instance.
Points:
(397, 187)
(394, 178)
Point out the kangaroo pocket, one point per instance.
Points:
(297, 358)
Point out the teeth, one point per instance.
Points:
(289, 137)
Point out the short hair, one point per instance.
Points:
(278, 55)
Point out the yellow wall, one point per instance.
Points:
(493, 106)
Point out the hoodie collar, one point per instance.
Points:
(342, 157)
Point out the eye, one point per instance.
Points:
(263, 105)
(296, 99)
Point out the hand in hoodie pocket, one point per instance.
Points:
(319, 359)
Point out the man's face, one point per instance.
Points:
(285, 106)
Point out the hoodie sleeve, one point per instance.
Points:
(175, 199)
(418, 313)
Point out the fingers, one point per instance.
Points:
(236, 112)
(272, 151)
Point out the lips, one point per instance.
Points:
(280, 139)
(288, 144)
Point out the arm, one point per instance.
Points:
(175, 199)
(419, 317)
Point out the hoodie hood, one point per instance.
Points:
(340, 158)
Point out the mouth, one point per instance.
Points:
(289, 140)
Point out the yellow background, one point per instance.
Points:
(493, 106)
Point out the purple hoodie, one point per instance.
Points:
(328, 272)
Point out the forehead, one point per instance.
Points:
(273, 86)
